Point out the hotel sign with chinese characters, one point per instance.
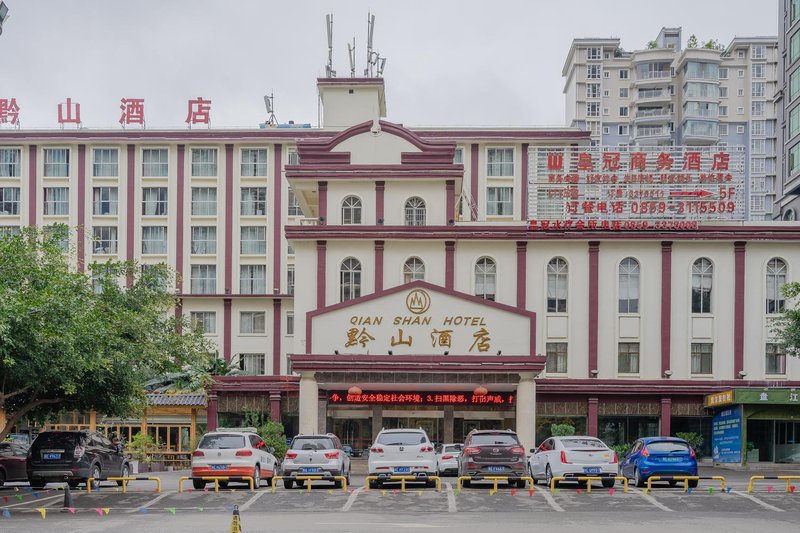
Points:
(505, 399)
(656, 187)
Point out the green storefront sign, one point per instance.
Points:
(755, 396)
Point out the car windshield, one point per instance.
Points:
(571, 444)
(666, 446)
(221, 441)
(401, 438)
(488, 439)
(453, 449)
(313, 444)
(56, 439)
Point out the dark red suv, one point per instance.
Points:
(493, 452)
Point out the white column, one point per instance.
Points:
(309, 408)
(526, 410)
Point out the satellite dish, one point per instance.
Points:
(268, 103)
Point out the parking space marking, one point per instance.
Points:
(650, 499)
(36, 501)
(246, 505)
(762, 503)
(451, 499)
(154, 500)
(551, 500)
(351, 500)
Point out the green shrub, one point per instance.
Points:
(562, 430)
(695, 440)
(621, 449)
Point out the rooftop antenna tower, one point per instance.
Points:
(351, 52)
(329, 72)
(370, 32)
(269, 101)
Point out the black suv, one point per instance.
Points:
(74, 457)
(492, 452)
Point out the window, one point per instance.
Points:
(351, 210)
(756, 203)
(740, 73)
(204, 279)
(252, 322)
(458, 156)
(293, 205)
(556, 357)
(557, 278)
(289, 249)
(794, 11)
(413, 270)
(206, 321)
(204, 161)
(623, 111)
(593, 72)
(60, 239)
(794, 121)
(758, 71)
(106, 162)
(415, 211)
(759, 127)
(723, 111)
(775, 359)
(204, 240)
(253, 240)
(723, 73)
(290, 323)
(253, 279)
(628, 358)
(622, 129)
(9, 200)
(723, 92)
(56, 201)
(758, 146)
(702, 278)
(702, 355)
(623, 74)
(740, 92)
(154, 240)
(104, 201)
(154, 201)
(757, 109)
(290, 279)
(758, 51)
(105, 239)
(592, 109)
(606, 130)
(204, 201)
(254, 201)
(629, 285)
(592, 90)
(794, 47)
(794, 158)
(500, 161)
(155, 162)
(759, 89)
(623, 92)
(485, 278)
(252, 364)
(499, 201)
(606, 74)
(254, 162)
(56, 162)
(758, 166)
(776, 278)
(593, 53)
(10, 163)
(349, 279)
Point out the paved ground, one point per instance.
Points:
(473, 509)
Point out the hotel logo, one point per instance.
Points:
(418, 301)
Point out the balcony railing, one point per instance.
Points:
(643, 113)
(655, 93)
(655, 74)
(652, 132)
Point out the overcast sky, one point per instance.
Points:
(466, 62)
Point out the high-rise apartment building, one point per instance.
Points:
(669, 95)
(788, 110)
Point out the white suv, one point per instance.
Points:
(233, 453)
(315, 455)
(402, 452)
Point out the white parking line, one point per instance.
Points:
(650, 499)
(154, 500)
(762, 503)
(29, 502)
(351, 500)
(246, 505)
(451, 499)
(549, 497)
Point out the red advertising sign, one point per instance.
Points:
(421, 398)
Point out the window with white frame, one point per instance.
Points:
(759, 89)
(739, 129)
(10, 162)
(606, 74)
(557, 283)
(293, 206)
(155, 162)
(740, 73)
(593, 53)
(702, 280)
(606, 130)
(57, 237)
(776, 279)
(6, 231)
(758, 146)
(205, 321)
(629, 272)
(757, 109)
(252, 279)
(56, 200)
(623, 92)
(775, 359)
(723, 111)
(628, 358)
(289, 249)
(758, 184)
(593, 72)
(624, 73)
(500, 162)
(290, 279)
(56, 162)
(349, 279)
(254, 201)
(758, 165)
(623, 111)
(415, 211)
(605, 93)
(105, 239)
(499, 201)
(756, 203)
(759, 127)
(9, 200)
(592, 90)
(758, 71)
(592, 109)
(723, 92)
(154, 240)
(723, 128)
(594, 127)
(204, 240)
(204, 162)
(413, 270)
(252, 364)
(556, 357)
(351, 210)
(758, 51)
(458, 156)
(204, 201)
(154, 201)
(104, 200)
(105, 162)
(723, 73)
(290, 323)
(254, 240)
(486, 278)
(203, 279)
(623, 129)
(254, 162)
(702, 358)
(252, 322)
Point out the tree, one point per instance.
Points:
(713, 44)
(64, 345)
(787, 327)
(692, 41)
(652, 44)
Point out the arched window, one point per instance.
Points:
(557, 277)
(702, 279)
(485, 278)
(351, 210)
(415, 211)
(350, 279)
(629, 285)
(789, 215)
(776, 278)
(413, 270)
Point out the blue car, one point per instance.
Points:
(659, 456)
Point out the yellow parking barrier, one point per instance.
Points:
(588, 480)
(310, 479)
(624, 482)
(402, 480)
(685, 480)
(787, 479)
(216, 480)
(124, 482)
(494, 479)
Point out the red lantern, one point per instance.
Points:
(480, 390)
(355, 390)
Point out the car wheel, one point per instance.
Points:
(74, 484)
(2, 478)
(692, 483)
(95, 473)
(521, 483)
(288, 483)
(257, 478)
(347, 477)
(38, 483)
(609, 483)
(373, 484)
(124, 472)
(430, 483)
(638, 479)
(672, 483)
(224, 484)
(337, 484)
(548, 477)
(467, 483)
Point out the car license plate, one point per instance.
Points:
(402, 469)
(219, 467)
(591, 470)
(496, 468)
(51, 456)
(672, 459)
(310, 469)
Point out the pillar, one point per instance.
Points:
(522, 269)
(3, 419)
(738, 308)
(666, 416)
(666, 306)
(92, 420)
(322, 413)
(591, 422)
(449, 264)
(275, 406)
(526, 410)
(377, 420)
(309, 407)
(379, 246)
(211, 423)
(449, 416)
(380, 189)
(594, 287)
(193, 429)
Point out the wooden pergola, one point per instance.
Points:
(184, 405)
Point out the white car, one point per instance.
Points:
(401, 452)
(234, 453)
(447, 459)
(315, 455)
(573, 457)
